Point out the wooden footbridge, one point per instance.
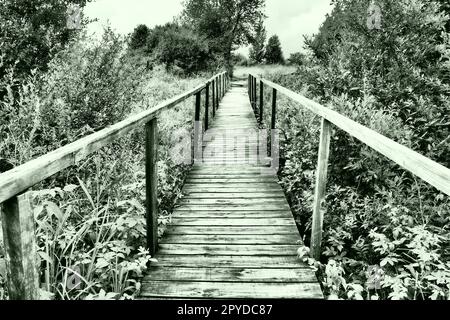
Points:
(233, 234)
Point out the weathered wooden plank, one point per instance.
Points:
(300, 275)
(250, 230)
(226, 290)
(261, 185)
(231, 239)
(232, 221)
(200, 261)
(232, 214)
(232, 250)
(232, 202)
(233, 180)
(227, 189)
(243, 195)
(242, 207)
(249, 175)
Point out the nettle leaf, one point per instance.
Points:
(54, 210)
(44, 255)
(101, 263)
(70, 188)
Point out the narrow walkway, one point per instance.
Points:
(233, 235)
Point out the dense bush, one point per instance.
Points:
(173, 45)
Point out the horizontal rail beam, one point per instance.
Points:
(27, 175)
(428, 170)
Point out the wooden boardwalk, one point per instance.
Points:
(233, 235)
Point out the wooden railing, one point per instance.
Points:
(425, 168)
(16, 206)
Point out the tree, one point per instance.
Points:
(297, 59)
(32, 32)
(184, 49)
(226, 24)
(274, 53)
(139, 37)
(257, 50)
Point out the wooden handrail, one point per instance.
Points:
(27, 175)
(16, 207)
(428, 170)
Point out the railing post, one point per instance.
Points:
(249, 87)
(20, 248)
(198, 132)
(274, 109)
(213, 86)
(217, 93)
(207, 107)
(254, 93)
(261, 102)
(151, 184)
(252, 97)
(320, 189)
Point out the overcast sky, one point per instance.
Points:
(289, 19)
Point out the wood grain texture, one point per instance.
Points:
(18, 224)
(232, 234)
(320, 188)
(230, 275)
(231, 290)
(151, 184)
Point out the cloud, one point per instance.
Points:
(289, 19)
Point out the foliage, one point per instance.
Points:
(297, 59)
(257, 51)
(184, 49)
(404, 65)
(176, 46)
(226, 24)
(139, 37)
(42, 29)
(274, 53)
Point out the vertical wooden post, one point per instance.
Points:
(214, 97)
(254, 92)
(207, 106)
(274, 109)
(219, 80)
(217, 93)
(198, 132)
(249, 87)
(20, 247)
(151, 184)
(320, 189)
(261, 102)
